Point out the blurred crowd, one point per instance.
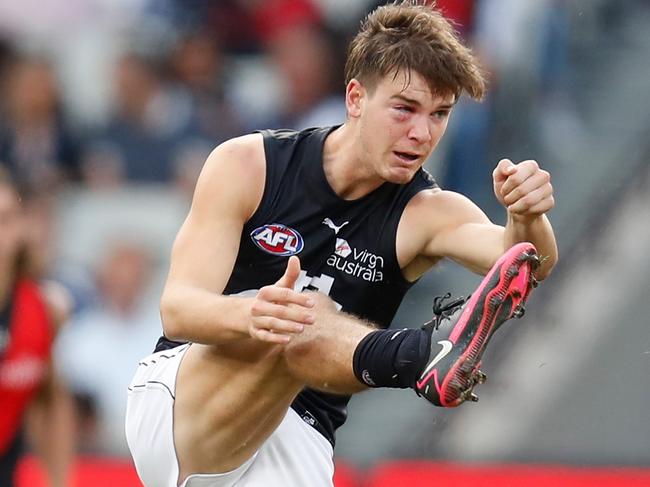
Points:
(102, 100)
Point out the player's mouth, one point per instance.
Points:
(407, 157)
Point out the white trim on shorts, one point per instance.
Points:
(295, 455)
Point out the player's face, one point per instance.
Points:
(11, 225)
(401, 123)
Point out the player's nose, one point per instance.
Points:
(420, 131)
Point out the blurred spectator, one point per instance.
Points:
(309, 66)
(35, 143)
(312, 75)
(33, 402)
(198, 73)
(274, 16)
(197, 70)
(6, 54)
(514, 59)
(230, 21)
(40, 232)
(343, 15)
(242, 26)
(197, 67)
(149, 125)
(107, 338)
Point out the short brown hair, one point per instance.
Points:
(410, 36)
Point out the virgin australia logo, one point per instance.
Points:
(358, 263)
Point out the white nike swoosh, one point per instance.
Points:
(446, 348)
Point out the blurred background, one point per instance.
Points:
(108, 109)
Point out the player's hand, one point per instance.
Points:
(278, 312)
(524, 189)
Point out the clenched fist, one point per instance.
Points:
(524, 189)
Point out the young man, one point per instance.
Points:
(254, 396)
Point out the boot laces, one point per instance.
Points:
(443, 310)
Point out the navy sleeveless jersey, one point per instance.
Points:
(346, 248)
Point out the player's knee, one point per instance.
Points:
(304, 345)
(300, 346)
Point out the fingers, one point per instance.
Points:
(527, 190)
(276, 323)
(274, 330)
(513, 191)
(297, 315)
(504, 169)
(284, 296)
(534, 202)
(519, 173)
(278, 312)
(291, 274)
(269, 336)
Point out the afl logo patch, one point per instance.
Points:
(278, 239)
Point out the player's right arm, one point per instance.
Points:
(193, 308)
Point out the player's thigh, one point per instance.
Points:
(227, 404)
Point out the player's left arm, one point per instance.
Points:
(50, 420)
(443, 224)
(525, 190)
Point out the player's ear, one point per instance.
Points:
(355, 93)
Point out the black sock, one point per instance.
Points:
(391, 358)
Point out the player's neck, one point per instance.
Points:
(344, 166)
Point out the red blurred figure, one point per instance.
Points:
(32, 401)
